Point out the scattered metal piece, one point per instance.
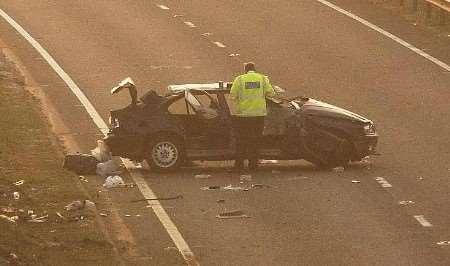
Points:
(233, 188)
(443, 243)
(206, 34)
(162, 198)
(83, 178)
(202, 176)
(232, 215)
(9, 219)
(178, 16)
(220, 201)
(60, 215)
(234, 55)
(356, 181)
(103, 214)
(297, 178)
(210, 188)
(127, 215)
(406, 202)
(19, 183)
(420, 178)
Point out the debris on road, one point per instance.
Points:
(232, 215)
(107, 168)
(12, 219)
(83, 178)
(113, 182)
(16, 195)
(356, 181)
(206, 34)
(81, 164)
(163, 198)
(220, 201)
(202, 176)
(443, 243)
(210, 188)
(234, 55)
(247, 178)
(406, 202)
(268, 162)
(178, 16)
(19, 183)
(41, 219)
(297, 178)
(420, 178)
(103, 214)
(233, 188)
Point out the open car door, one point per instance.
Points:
(209, 134)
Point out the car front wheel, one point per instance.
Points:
(165, 154)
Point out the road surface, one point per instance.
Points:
(305, 216)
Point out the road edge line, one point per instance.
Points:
(143, 187)
(387, 34)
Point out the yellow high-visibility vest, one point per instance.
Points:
(249, 93)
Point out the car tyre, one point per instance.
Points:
(166, 154)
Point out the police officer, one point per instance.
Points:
(249, 93)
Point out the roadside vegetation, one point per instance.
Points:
(35, 229)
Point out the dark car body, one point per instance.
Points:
(195, 122)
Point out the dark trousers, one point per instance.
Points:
(249, 131)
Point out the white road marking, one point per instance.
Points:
(387, 34)
(189, 24)
(219, 44)
(383, 182)
(163, 7)
(421, 219)
(146, 191)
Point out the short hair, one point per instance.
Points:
(249, 66)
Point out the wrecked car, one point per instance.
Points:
(195, 122)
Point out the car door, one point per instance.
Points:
(208, 131)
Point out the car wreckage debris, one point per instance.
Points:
(113, 182)
(81, 164)
(78, 205)
(443, 243)
(232, 215)
(101, 152)
(162, 198)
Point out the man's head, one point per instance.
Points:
(250, 66)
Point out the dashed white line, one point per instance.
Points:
(219, 44)
(383, 182)
(163, 7)
(146, 191)
(189, 24)
(387, 34)
(421, 219)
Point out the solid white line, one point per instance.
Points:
(219, 44)
(387, 34)
(163, 7)
(421, 219)
(138, 179)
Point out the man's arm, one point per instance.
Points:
(234, 92)
(268, 89)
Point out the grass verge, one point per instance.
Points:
(28, 153)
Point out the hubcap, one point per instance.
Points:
(165, 154)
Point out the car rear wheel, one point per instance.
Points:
(165, 154)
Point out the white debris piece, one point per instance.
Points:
(444, 243)
(356, 181)
(101, 152)
(19, 183)
(233, 188)
(16, 195)
(107, 168)
(114, 181)
(406, 202)
(202, 176)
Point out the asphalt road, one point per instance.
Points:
(305, 216)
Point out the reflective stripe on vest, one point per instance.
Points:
(251, 100)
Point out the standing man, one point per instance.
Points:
(249, 93)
